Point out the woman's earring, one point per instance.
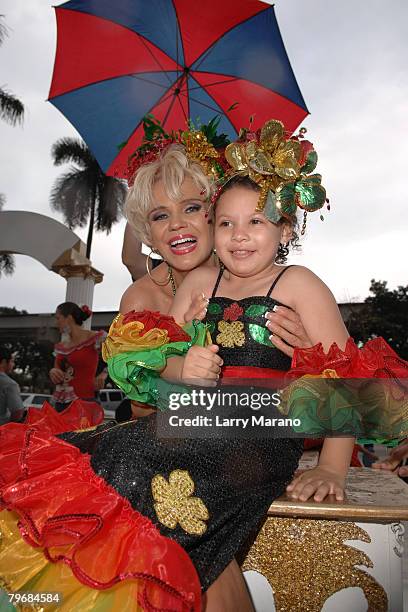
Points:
(149, 268)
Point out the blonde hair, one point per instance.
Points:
(172, 168)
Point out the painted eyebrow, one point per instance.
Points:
(163, 207)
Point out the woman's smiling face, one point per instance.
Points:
(179, 230)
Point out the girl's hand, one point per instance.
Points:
(287, 330)
(197, 308)
(319, 482)
(202, 363)
(56, 375)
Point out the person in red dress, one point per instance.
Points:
(76, 357)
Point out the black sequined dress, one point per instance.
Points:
(208, 495)
(236, 479)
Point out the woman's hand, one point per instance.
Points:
(56, 375)
(197, 308)
(202, 363)
(392, 461)
(287, 330)
(317, 482)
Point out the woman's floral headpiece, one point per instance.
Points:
(203, 146)
(281, 166)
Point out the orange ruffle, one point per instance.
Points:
(375, 359)
(75, 517)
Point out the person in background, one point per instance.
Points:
(393, 461)
(76, 357)
(11, 404)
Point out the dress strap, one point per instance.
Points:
(217, 282)
(281, 273)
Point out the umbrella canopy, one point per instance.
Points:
(177, 59)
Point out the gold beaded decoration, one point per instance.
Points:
(231, 334)
(306, 561)
(175, 505)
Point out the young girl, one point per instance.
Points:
(247, 243)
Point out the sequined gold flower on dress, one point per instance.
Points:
(231, 334)
(174, 504)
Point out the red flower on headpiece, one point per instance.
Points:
(152, 320)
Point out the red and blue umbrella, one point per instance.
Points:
(117, 61)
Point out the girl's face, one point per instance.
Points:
(246, 242)
(179, 230)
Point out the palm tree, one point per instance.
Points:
(85, 190)
(11, 109)
(7, 262)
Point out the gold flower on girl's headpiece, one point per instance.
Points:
(281, 166)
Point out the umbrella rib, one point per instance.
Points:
(182, 107)
(216, 110)
(215, 83)
(155, 58)
(168, 110)
(136, 76)
(203, 57)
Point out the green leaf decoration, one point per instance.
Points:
(256, 310)
(311, 194)
(285, 199)
(211, 326)
(232, 107)
(310, 163)
(260, 334)
(214, 309)
(271, 211)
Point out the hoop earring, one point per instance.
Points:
(149, 270)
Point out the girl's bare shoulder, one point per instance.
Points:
(202, 278)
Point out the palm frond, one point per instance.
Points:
(112, 193)
(7, 264)
(3, 30)
(72, 194)
(11, 109)
(72, 150)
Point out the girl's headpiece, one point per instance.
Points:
(281, 165)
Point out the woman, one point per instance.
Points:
(76, 359)
(167, 209)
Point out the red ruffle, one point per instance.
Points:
(78, 415)
(78, 519)
(375, 359)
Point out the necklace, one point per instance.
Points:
(172, 281)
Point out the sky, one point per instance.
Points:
(350, 61)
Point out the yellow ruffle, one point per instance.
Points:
(130, 337)
(23, 568)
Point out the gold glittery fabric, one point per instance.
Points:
(174, 504)
(306, 561)
(231, 334)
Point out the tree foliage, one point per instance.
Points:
(33, 359)
(385, 313)
(11, 108)
(85, 193)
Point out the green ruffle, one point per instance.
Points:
(327, 407)
(137, 373)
